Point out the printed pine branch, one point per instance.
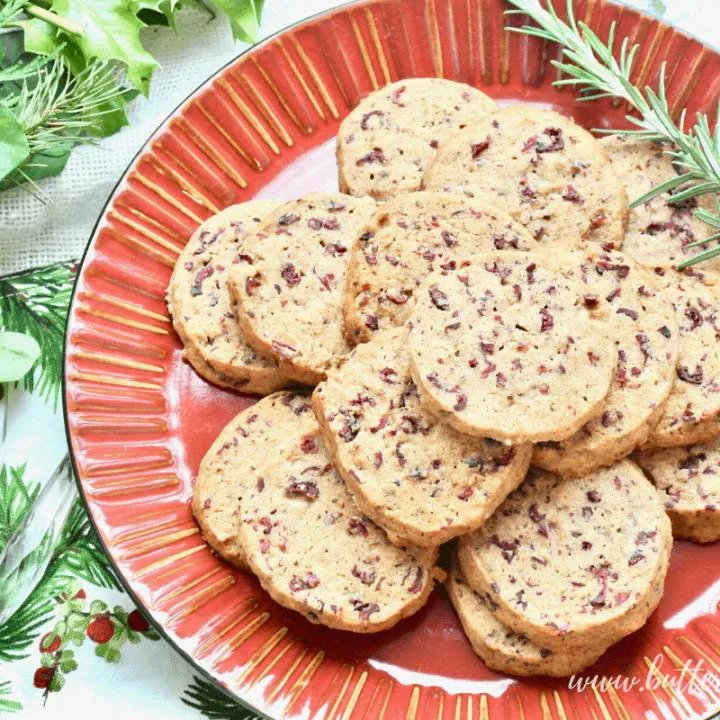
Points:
(7, 704)
(16, 499)
(591, 66)
(213, 703)
(77, 555)
(36, 303)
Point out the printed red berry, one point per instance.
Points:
(101, 629)
(42, 677)
(138, 622)
(49, 647)
(79, 595)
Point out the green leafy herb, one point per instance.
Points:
(591, 65)
(14, 146)
(110, 31)
(64, 89)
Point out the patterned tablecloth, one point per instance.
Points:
(77, 647)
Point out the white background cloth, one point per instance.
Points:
(33, 233)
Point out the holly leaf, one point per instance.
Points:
(156, 12)
(244, 17)
(18, 352)
(14, 147)
(39, 37)
(39, 165)
(111, 31)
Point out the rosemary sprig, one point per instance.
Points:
(591, 65)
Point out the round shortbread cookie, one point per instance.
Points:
(692, 412)
(311, 547)
(407, 238)
(658, 232)
(647, 349)
(506, 348)
(688, 482)
(200, 305)
(387, 141)
(290, 281)
(539, 167)
(569, 561)
(229, 465)
(414, 476)
(502, 649)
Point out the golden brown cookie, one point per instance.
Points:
(688, 482)
(406, 238)
(646, 339)
(539, 167)
(571, 561)
(387, 141)
(313, 549)
(229, 465)
(502, 649)
(203, 314)
(506, 347)
(692, 411)
(659, 233)
(416, 477)
(289, 282)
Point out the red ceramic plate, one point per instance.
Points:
(139, 419)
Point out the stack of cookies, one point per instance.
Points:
(503, 356)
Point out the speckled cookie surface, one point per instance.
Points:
(506, 348)
(229, 466)
(692, 412)
(658, 233)
(407, 238)
(203, 314)
(688, 482)
(416, 477)
(289, 282)
(646, 337)
(387, 141)
(311, 547)
(541, 168)
(567, 559)
(502, 649)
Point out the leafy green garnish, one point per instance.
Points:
(600, 69)
(110, 31)
(14, 146)
(64, 89)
